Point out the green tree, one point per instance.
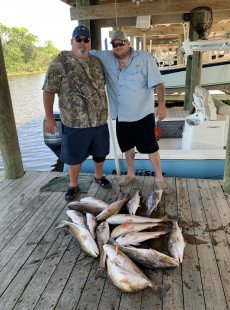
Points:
(21, 52)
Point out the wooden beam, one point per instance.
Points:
(9, 144)
(128, 9)
(171, 29)
(158, 19)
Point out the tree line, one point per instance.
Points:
(21, 53)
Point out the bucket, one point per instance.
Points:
(56, 138)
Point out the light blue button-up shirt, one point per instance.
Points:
(130, 91)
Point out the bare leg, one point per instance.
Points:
(74, 171)
(155, 160)
(129, 156)
(98, 169)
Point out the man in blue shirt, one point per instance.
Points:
(131, 77)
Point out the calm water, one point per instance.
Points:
(26, 95)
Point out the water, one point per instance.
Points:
(26, 95)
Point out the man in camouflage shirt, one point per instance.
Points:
(77, 78)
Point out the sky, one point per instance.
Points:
(47, 19)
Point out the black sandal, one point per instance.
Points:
(71, 193)
(103, 182)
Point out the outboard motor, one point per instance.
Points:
(54, 141)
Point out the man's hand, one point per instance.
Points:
(50, 125)
(161, 112)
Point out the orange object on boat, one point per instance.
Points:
(158, 132)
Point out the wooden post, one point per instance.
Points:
(179, 52)
(193, 67)
(92, 25)
(9, 145)
(226, 185)
(132, 42)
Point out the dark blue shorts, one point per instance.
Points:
(79, 143)
(139, 134)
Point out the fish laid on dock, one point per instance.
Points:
(153, 201)
(77, 217)
(176, 242)
(88, 205)
(135, 238)
(130, 273)
(134, 203)
(113, 208)
(91, 223)
(82, 236)
(149, 257)
(126, 228)
(103, 234)
(117, 219)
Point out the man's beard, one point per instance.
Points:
(122, 56)
(81, 50)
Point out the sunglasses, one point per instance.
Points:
(119, 43)
(79, 39)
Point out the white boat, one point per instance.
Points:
(190, 147)
(215, 73)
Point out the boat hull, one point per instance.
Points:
(182, 168)
(213, 74)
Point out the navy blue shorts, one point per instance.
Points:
(139, 134)
(79, 143)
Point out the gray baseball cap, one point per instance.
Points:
(118, 35)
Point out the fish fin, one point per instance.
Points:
(111, 241)
(117, 248)
(62, 224)
(101, 273)
(161, 289)
(126, 224)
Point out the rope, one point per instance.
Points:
(202, 28)
(115, 2)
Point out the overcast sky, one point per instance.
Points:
(47, 19)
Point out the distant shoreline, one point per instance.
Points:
(24, 73)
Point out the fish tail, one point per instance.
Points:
(160, 289)
(111, 240)
(62, 224)
(100, 273)
(73, 206)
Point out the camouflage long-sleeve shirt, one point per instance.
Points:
(79, 85)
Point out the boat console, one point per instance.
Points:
(203, 129)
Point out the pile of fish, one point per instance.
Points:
(93, 227)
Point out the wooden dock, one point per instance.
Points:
(43, 268)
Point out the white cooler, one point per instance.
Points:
(202, 130)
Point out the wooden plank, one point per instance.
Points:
(91, 295)
(217, 215)
(4, 182)
(11, 265)
(127, 9)
(173, 29)
(5, 189)
(157, 19)
(174, 297)
(44, 271)
(68, 288)
(132, 301)
(149, 300)
(189, 202)
(50, 295)
(10, 231)
(25, 200)
(211, 282)
(35, 271)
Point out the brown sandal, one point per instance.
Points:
(103, 182)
